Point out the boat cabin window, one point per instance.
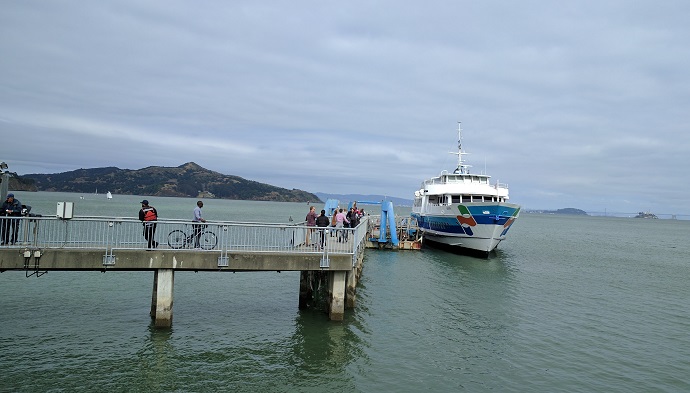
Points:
(456, 198)
(466, 198)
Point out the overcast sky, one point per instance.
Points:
(579, 104)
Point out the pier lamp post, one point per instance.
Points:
(4, 180)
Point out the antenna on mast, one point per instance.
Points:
(462, 167)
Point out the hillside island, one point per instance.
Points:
(187, 180)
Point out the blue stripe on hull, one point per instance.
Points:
(496, 215)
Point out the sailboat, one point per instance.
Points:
(109, 195)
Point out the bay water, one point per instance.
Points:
(567, 304)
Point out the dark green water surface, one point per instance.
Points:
(568, 304)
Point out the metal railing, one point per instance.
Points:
(109, 233)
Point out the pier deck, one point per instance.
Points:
(117, 244)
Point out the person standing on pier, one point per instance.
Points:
(334, 221)
(149, 216)
(198, 220)
(322, 222)
(340, 221)
(10, 208)
(311, 222)
(352, 217)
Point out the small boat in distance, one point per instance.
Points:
(646, 215)
(464, 211)
(109, 195)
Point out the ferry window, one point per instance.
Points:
(457, 198)
(466, 198)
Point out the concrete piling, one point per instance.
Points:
(163, 294)
(306, 293)
(336, 309)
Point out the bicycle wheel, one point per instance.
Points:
(208, 240)
(177, 239)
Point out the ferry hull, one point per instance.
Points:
(478, 230)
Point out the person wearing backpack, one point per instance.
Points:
(353, 217)
(148, 215)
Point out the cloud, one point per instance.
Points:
(580, 105)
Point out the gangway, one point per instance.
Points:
(386, 231)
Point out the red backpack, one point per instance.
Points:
(150, 214)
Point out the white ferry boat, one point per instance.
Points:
(464, 211)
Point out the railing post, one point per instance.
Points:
(325, 262)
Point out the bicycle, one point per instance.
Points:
(180, 239)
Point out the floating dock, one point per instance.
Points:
(385, 231)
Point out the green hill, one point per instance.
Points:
(187, 180)
(20, 183)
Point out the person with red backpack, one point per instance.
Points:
(149, 216)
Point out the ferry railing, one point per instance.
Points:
(127, 233)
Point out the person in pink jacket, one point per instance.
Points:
(340, 219)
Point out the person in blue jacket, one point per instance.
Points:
(10, 208)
